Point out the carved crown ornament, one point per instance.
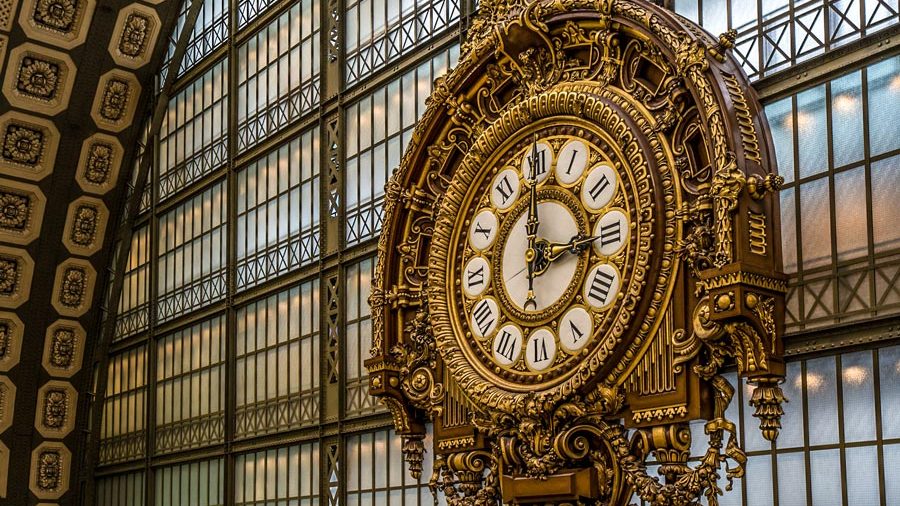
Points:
(581, 234)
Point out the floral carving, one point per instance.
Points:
(49, 470)
(13, 211)
(135, 35)
(57, 15)
(99, 163)
(84, 229)
(62, 348)
(22, 144)
(38, 78)
(74, 286)
(115, 100)
(9, 276)
(55, 408)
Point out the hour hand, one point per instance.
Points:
(575, 246)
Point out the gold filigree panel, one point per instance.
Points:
(27, 145)
(39, 79)
(64, 348)
(134, 36)
(12, 331)
(116, 100)
(16, 271)
(85, 226)
(21, 211)
(50, 468)
(63, 23)
(57, 402)
(99, 163)
(73, 288)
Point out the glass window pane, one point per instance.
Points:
(885, 204)
(851, 221)
(825, 477)
(812, 129)
(815, 223)
(884, 101)
(857, 382)
(821, 395)
(759, 481)
(889, 370)
(791, 479)
(862, 480)
(847, 119)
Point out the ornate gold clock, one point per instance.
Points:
(582, 232)
(549, 239)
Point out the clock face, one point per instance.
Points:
(543, 256)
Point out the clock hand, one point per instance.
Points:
(531, 227)
(551, 251)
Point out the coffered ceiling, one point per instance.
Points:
(77, 75)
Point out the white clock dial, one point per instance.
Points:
(485, 316)
(601, 286)
(505, 189)
(540, 351)
(476, 276)
(536, 162)
(572, 160)
(612, 230)
(599, 187)
(507, 344)
(575, 329)
(556, 225)
(483, 230)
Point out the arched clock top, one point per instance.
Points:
(583, 229)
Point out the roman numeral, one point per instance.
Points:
(505, 188)
(540, 351)
(505, 345)
(538, 164)
(484, 317)
(486, 232)
(600, 286)
(598, 188)
(577, 334)
(571, 161)
(611, 233)
(475, 278)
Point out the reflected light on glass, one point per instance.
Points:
(813, 382)
(804, 121)
(845, 103)
(897, 367)
(855, 375)
(895, 83)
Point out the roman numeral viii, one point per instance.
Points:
(484, 316)
(505, 345)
